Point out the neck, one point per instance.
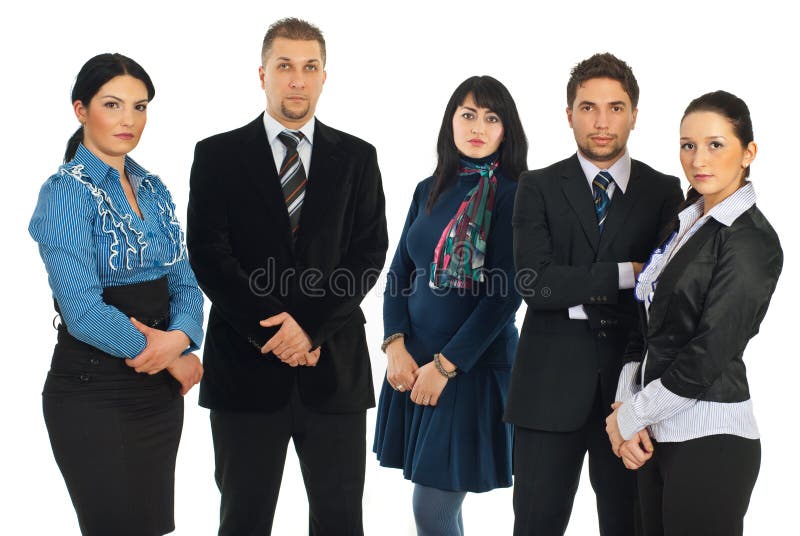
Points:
(289, 123)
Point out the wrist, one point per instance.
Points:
(391, 340)
(444, 366)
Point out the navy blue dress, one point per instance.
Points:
(461, 444)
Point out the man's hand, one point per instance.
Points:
(163, 347)
(290, 344)
(637, 269)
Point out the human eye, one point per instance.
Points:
(617, 108)
(687, 146)
(141, 107)
(715, 145)
(493, 119)
(111, 105)
(467, 115)
(311, 67)
(283, 66)
(586, 108)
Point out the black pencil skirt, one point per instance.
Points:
(115, 432)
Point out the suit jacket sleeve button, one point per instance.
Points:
(603, 322)
(601, 334)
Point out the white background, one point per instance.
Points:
(391, 68)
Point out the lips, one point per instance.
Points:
(475, 142)
(702, 176)
(124, 136)
(602, 140)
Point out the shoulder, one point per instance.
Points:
(65, 198)
(348, 144)
(233, 137)
(752, 232)
(655, 177)
(550, 173)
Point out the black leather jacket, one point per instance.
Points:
(708, 304)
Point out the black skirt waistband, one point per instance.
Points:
(148, 302)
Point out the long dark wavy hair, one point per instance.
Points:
(92, 76)
(487, 92)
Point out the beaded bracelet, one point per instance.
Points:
(437, 361)
(390, 339)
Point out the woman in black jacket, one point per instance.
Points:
(684, 413)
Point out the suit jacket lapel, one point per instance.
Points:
(674, 270)
(323, 181)
(579, 196)
(258, 161)
(621, 205)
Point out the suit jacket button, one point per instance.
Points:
(94, 361)
(84, 378)
(592, 299)
(603, 322)
(601, 334)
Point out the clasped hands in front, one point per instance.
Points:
(291, 344)
(163, 350)
(634, 451)
(426, 383)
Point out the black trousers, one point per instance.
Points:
(250, 451)
(700, 487)
(547, 470)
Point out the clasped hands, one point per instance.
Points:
(163, 351)
(402, 372)
(635, 451)
(291, 344)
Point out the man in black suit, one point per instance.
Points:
(582, 228)
(287, 234)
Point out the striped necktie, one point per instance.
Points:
(601, 199)
(293, 177)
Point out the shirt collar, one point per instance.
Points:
(620, 170)
(273, 128)
(99, 171)
(729, 208)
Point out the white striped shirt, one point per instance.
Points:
(668, 416)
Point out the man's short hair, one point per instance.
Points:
(295, 29)
(604, 65)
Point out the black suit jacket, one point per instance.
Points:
(709, 302)
(562, 261)
(241, 249)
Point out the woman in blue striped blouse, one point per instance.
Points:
(130, 307)
(684, 417)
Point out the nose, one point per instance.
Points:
(296, 83)
(601, 119)
(477, 128)
(699, 157)
(128, 116)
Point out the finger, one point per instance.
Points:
(274, 341)
(144, 328)
(616, 404)
(644, 437)
(273, 320)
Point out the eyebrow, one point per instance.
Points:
(290, 60)
(470, 108)
(612, 103)
(120, 100)
(720, 137)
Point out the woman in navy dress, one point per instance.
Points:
(449, 310)
(130, 312)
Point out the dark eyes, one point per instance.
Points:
(687, 146)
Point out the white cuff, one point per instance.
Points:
(626, 278)
(577, 312)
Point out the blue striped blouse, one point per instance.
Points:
(90, 238)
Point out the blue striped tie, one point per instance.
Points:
(293, 177)
(601, 199)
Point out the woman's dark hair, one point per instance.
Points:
(487, 92)
(92, 76)
(734, 110)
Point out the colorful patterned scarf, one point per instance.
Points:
(459, 256)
